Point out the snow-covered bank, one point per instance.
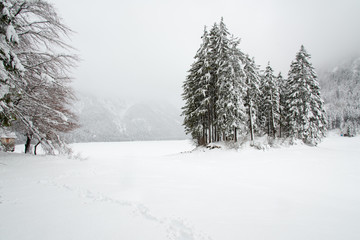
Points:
(150, 190)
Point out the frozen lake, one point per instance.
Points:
(160, 190)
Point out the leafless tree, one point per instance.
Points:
(41, 93)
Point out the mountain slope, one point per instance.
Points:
(341, 91)
(111, 119)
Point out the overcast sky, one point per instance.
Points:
(142, 49)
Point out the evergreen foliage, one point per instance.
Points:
(270, 114)
(214, 88)
(283, 109)
(229, 107)
(252, 96)
(10, 66)
(226, 96)
(306, 115)
(197, 87)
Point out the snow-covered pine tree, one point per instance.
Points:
(229, 108)
(252, 95)
(10, 66)
(213, 89)
(238, 76)
(197, 111)
(282, 105)
(220, 49)
(270, 102)
(306, 115)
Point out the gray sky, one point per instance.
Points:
(142, 49)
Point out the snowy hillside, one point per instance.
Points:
(341, 91)
(112, 119)
(160, 190)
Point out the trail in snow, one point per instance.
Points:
(177, 229)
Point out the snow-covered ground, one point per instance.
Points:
(159, 190)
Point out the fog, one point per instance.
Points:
(142, 49)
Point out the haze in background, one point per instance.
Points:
(142, 49)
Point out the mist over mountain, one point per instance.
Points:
(105, 119)
(114, 119)
(341, 93)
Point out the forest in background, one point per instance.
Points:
(340, 88)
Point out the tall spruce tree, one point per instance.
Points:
(10, 65)
(237, 75)
(213, 90)
(270, 99)
(282, 105)
(306, 114)
(229, 107)
(214, 65)
(252, 95)
(197, 109)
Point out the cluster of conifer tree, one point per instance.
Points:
(227, 96)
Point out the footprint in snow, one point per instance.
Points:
(177, 229)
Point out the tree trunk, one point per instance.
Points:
(251, 125)
(35, 147)
(280, 133)
(235, 134)
(210, 125)
(273, 123)
(28, 143)
(280, 124)
(214, 134)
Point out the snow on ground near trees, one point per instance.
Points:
(150, 190)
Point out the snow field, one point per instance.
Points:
(159, 190)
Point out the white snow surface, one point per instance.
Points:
(161, 190)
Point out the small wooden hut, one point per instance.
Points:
(7, 140)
